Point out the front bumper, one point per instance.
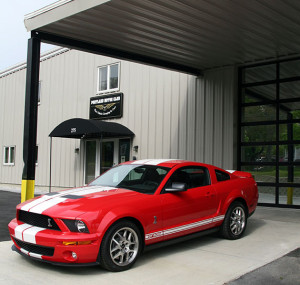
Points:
(47, 245)
(14, 248)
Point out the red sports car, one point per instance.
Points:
(131, 207)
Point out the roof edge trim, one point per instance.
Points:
(46, 9)
(45, 56)
(57, 11)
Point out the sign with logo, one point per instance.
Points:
(106, 106)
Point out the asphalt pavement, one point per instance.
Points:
(8, 202)
(285, 270)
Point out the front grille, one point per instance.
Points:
(38, 220)
(38, 249)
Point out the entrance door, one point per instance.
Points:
(108, 155)
(90, 161)
(112, 152)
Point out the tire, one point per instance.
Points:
(120, 247)
(235, 222)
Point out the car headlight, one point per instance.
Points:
(81, 227)
(76, 226)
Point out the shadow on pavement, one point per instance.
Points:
(8, 203)
(285, 270)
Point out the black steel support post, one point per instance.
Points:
(30, 118)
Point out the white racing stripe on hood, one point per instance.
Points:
(19, 230)
(36, 202)
(46, 205)
(54, 200)
(29, 234)
(75, 191)
(44, 198)
(93, 190)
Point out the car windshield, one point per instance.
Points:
(140, 178)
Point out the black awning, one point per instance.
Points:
(78, 128)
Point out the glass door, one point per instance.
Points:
(107, 156)
(112, 152)
(124, 150)
(90, 161)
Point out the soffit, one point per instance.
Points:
(195, 33)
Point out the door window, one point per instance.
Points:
(192, 176)
(90, 161)
(98, 159)
(124, 150)
(107, 156)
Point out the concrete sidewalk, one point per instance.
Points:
(271, 233)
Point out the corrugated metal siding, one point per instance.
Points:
(12, 90)
(173, 115)
(216, 118)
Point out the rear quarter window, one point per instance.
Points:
(222, 176)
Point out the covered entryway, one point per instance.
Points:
(105, 143)
(189, 36)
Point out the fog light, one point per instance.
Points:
(74, 255)
(70, 256)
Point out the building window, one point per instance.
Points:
(108, 78)
(269, 146)
(9, 155)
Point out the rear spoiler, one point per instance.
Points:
(241, 174)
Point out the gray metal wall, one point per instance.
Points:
(173, 115)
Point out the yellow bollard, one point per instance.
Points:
(27, 190)
(290, 192)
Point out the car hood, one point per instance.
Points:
(74, 202)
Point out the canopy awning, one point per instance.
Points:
(185, 35)
(78, 128)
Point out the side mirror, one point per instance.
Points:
(177, 187)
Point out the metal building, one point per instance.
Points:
(224, 90)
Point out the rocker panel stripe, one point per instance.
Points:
(183, 228)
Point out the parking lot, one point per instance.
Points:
(271, 234)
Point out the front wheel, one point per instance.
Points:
(235, 221)
(120, 247)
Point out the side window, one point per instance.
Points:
(9, 155)
(222, 176)
(192, 176)
(108, 78)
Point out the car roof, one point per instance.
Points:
(163, 162)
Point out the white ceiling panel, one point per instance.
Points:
(201, 34)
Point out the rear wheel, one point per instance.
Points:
(235, 221)
(120, 246)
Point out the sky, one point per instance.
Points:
(13, 34)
